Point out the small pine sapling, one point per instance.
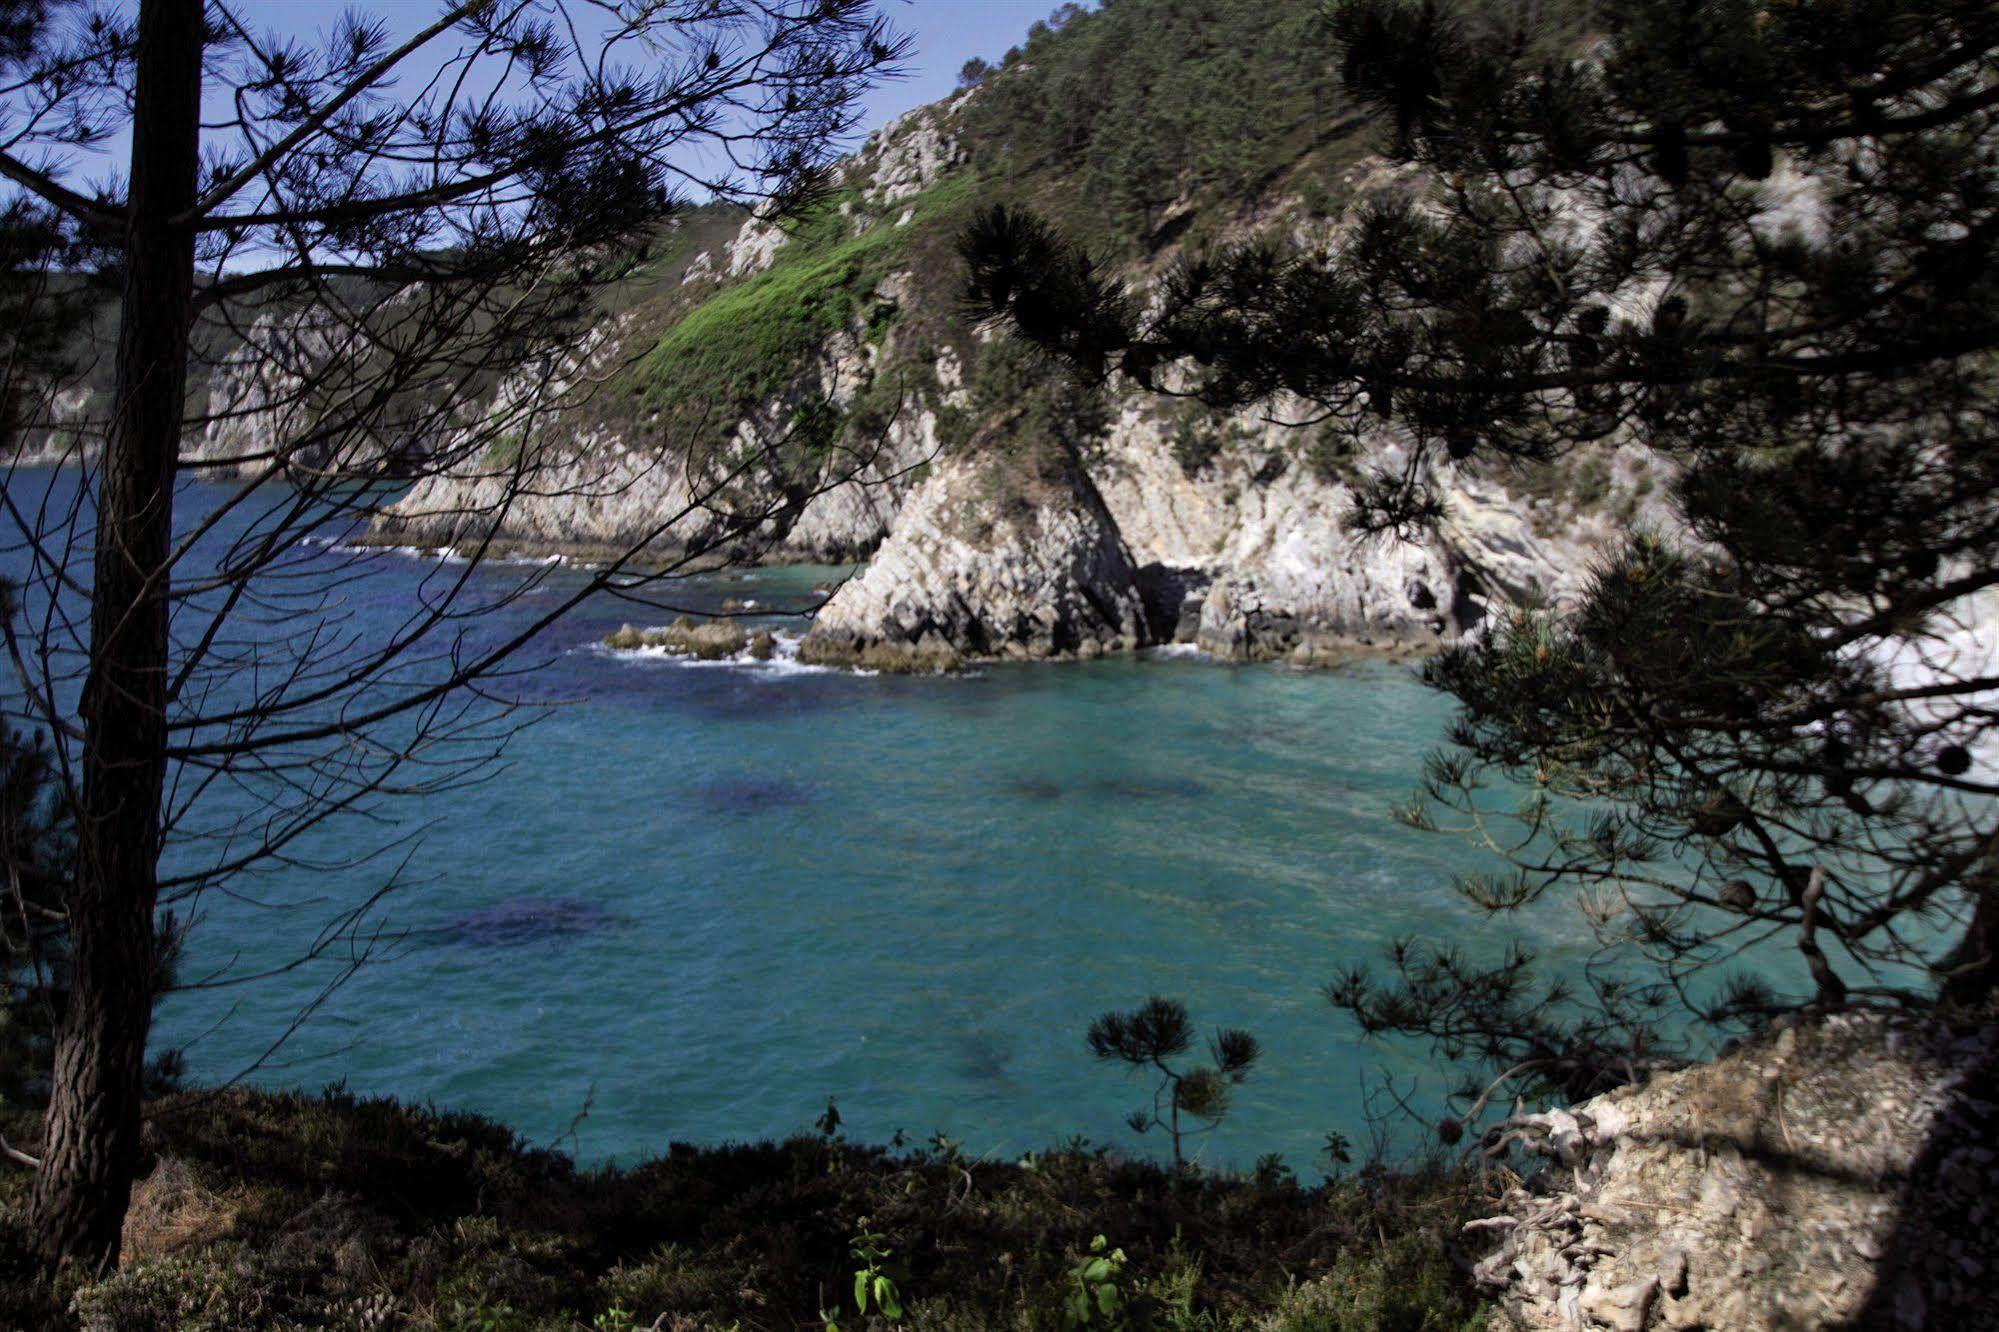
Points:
(1160, 1030)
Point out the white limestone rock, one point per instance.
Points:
(1040, 574)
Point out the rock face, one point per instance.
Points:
(984, 563)
(910, 153)
(1239, 547)
(1841, 1174)
(1260, 544)
(1242, 550)
(607, 493)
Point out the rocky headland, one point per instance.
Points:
(812, 392)
(1134, 522)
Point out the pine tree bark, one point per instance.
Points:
(1972, 969)
(91, 1140)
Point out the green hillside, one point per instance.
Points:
(1145, 128)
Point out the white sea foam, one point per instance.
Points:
(442, 554)
(1175, 652)
(446, 554)
(1961, 643)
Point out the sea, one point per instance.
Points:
(695, 901)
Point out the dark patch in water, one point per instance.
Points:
(980, 1058)
(526, 920)
(1149, 788)
(1038, 788)
(751, 795)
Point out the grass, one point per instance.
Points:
(278, 1211)
(751, 338)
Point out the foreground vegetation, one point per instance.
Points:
(266, 1210)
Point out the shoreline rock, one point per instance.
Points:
(706, 640)
(1836, 1174)
(991, 565)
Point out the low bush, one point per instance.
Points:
(279, 1211)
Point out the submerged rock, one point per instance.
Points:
(526, 920)
(751, 795)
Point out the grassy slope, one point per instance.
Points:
(1144, 130)
(282, 1211)
(745, 341)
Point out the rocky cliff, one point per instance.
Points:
(1838, 1174)
(1159, 523)
(811, 391)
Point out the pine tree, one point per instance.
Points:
(441, 196)
(1757, 240)
(1157, 1031)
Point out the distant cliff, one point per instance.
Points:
(820, 376)
(1002, 511)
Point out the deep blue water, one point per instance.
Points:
(703, 898)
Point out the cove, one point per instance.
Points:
(702, 898)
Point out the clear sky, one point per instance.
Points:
(946, 34)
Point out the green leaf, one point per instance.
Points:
(885, 1299)
(1097, 1269)
(1107, 1299)
(861, 1291)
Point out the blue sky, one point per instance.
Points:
(947, 33)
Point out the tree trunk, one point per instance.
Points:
(1971, 972)
(91, 1142)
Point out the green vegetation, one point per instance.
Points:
(282, 1211)
(1032, 410)
(1147, 112)
(1331, 455)
(751, 338)
(1761, 730)
(1158, 1030)
(1196, 443)
(1094, 1297)
(875, 1279)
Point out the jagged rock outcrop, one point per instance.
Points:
(986, 562)
(1270, 569)
(705, 640)
(1244, 552)
(608, 493)
(1839, 1174)
(910, 153)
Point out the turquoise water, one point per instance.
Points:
(703, 898)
